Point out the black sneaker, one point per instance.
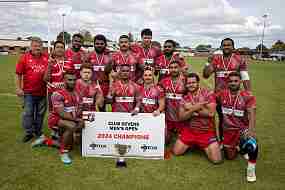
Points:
(121, 164)
(27, 138)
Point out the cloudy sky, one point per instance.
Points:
(190, 22)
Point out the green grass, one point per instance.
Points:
(24, 168)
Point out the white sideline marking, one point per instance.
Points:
(8, 94)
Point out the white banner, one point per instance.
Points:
(114, 134)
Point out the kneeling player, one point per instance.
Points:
(153, 99)
(238, 108)
(89, 92)
(63, 117)
(197, 108)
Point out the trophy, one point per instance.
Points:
(121, 149)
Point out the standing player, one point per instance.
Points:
(124, 93)
(125, 57)
(174, 88)
(54, 73)
(222, 65)
(239, 109)
(169, 55)
(89, 92)
(198, 110)
(76, 55)
(153, 99)
(63, 117)
(146, 52)
(101, 60)
(31, 87)
(125, 97)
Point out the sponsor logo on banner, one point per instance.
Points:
(94, 146)
(148, 147)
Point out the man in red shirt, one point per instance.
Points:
(169, 55)
(124, 96)
(239, 115)
(146, 53)
(101, 60)
(56, 66)
(89, 91)
(153, 98)
(64, 116)
(31, 87)
(174, 88)
(125, 57)
(221, 65)
(76, 55)
(198, 110)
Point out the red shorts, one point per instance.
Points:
(105, 88)
(174, 125)
(53, 121)
(231, 138)
(196, 137)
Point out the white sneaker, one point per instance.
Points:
(40, 141)
(65, 158)
(250, 174)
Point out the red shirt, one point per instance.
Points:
(222, 67)
(126, 96)
(130, 59)
(173, 93)
(66, 100)
(99, 62)
(234, 108)
(87, 94)
(145, 56)
(56, 75)
(75, 59)
(162, 64)
(200, 122)
(150, 98)
(33, 68)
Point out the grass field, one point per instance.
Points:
(22, 167)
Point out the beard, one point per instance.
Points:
(99, 50)
(168, 53)
(234, 88)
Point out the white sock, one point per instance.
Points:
(121, 160)
(251, 165)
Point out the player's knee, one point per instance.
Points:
(177, 153)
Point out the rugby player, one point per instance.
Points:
(174, 88)
(221, 65)
(239, 115)
(146, 52)
(76, 55)
(124, 96)
(64, 118)
(101, 60)
(153, 98)
(198, 108)
(169, 55)
(125, 56)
